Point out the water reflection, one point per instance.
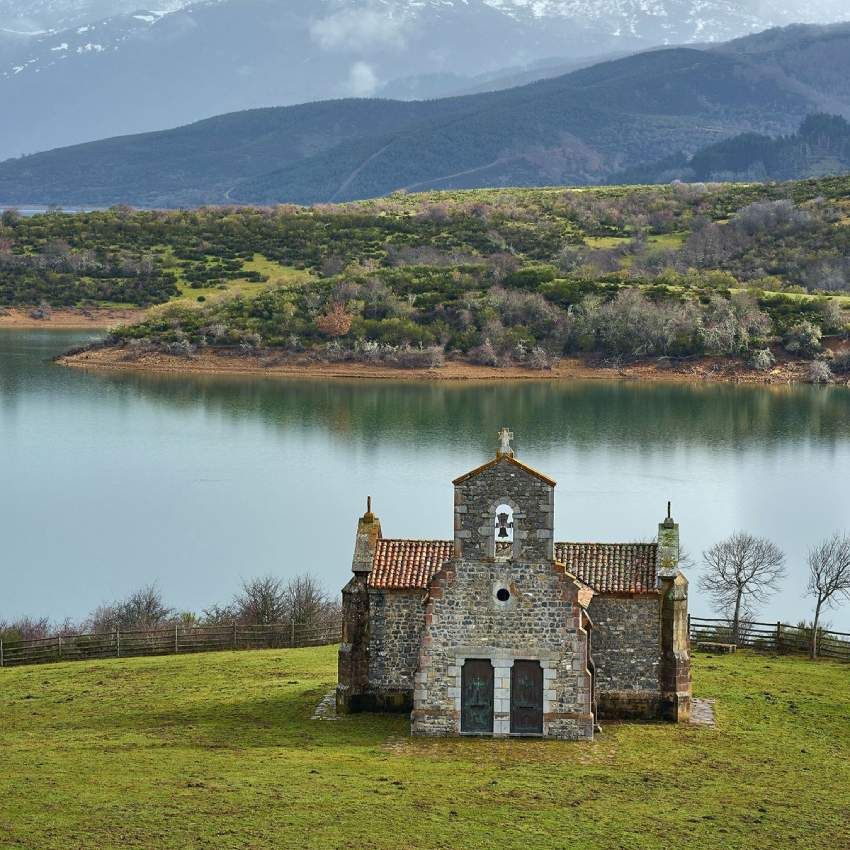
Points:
(543, 414)
(113, 479)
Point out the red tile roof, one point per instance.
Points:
(408, 564)
(605, 567)
(611, 567)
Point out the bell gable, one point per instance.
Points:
(504, 510)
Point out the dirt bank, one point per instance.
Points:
(98, 318)
(705, 369)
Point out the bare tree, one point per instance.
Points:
(24, 628)
(307, 602)
(261, 602)
(741, 570)
(142, 609)
(829, 577)
(301, 601)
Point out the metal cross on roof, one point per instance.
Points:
(505, 435)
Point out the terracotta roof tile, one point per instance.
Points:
(604, 567)
(611, 567)
(408, 564)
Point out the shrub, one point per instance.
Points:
(335, 323)
(831, 315)
(762, 359)
(633, 326)
(804, 339)
(484, 355)
(143, 609)
(730, 325)
(819, 373)
(250, 343)
(841, 362)
(179, 348)
(539, 358)
(431, 357)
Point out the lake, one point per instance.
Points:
(110, 481)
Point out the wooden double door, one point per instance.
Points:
(477, 702)
(527, 698)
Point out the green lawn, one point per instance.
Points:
(277, 275)
(218, 751)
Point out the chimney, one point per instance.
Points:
(366, 542)
(668, 545)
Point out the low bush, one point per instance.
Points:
(819, 372)
(762, 359)
(803, 338)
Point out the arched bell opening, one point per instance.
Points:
(504, 532)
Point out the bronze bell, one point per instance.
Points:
(503, 525)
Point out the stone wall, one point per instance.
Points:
(627, 652)
(505, 482)
(396, 623)
(353, 663)
(540, 621)
(676, 646)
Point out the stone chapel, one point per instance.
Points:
(504, 631)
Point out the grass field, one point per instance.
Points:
(277, 275)
(219, 751)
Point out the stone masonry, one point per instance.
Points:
(607, 624)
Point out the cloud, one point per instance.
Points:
(359, 29)
(362, 80)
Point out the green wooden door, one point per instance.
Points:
(476, 700)
(527, 698)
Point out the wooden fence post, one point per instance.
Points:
(779, 636)
(292, 633)
(59, 646)
(234, 634)
(1, 652)
(176, 638)
(118, 642)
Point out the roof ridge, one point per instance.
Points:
(415, 540)
(509, 459)
(604, 543)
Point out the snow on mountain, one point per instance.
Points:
(94, 68)
(39, 16)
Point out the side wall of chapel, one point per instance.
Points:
(397, 621)
(627, 655)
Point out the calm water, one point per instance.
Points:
(111, 481)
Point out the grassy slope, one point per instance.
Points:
(278, 276)
(218, 751)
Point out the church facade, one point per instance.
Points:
(506, 631)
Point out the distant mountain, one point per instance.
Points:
(95, 68)
(820, 148)
(578, 128)
(40, 16)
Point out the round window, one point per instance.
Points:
(503, 594)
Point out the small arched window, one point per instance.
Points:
(504, 531)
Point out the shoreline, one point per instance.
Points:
(700, 370)
(69, 318)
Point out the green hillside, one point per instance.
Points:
(820, 147)
(491, 277)
(219, 751)
(579, 128)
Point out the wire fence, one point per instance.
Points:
(173, 640)
(777, 637)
